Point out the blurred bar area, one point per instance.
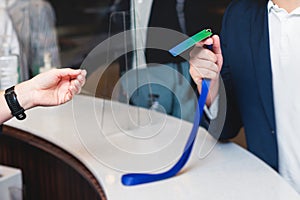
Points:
(38, 35)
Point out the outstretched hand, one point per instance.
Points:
(57, 86)
(51, 88)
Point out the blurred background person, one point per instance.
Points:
(187, 17)
(33, 22)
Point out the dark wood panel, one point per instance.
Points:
(48, 171)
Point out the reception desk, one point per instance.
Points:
(61, 158)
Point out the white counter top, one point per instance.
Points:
(227, 172)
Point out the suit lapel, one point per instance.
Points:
(261, 59)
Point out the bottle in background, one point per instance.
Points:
(154, 103)
(47, 63)
(9, 64)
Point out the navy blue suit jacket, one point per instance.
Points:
(247, 77)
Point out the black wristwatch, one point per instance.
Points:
(13, 104)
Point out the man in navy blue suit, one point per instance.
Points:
(258, 57)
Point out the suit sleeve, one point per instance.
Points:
(228, 98)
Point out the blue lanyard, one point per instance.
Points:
(141, 178)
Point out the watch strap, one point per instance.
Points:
(13, 103)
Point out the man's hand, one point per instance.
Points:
(205, 63)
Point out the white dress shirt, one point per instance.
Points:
(284, 31)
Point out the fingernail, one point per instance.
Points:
(76, 82)
(84, 72)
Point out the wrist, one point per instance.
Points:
(25, 95)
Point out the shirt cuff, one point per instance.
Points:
(212, 111)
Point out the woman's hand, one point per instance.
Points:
(51, 88)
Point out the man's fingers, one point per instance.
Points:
(208, 41)
(216, 44)
(204, 64)
(204, 54)
(201, 73)
(218, 51)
